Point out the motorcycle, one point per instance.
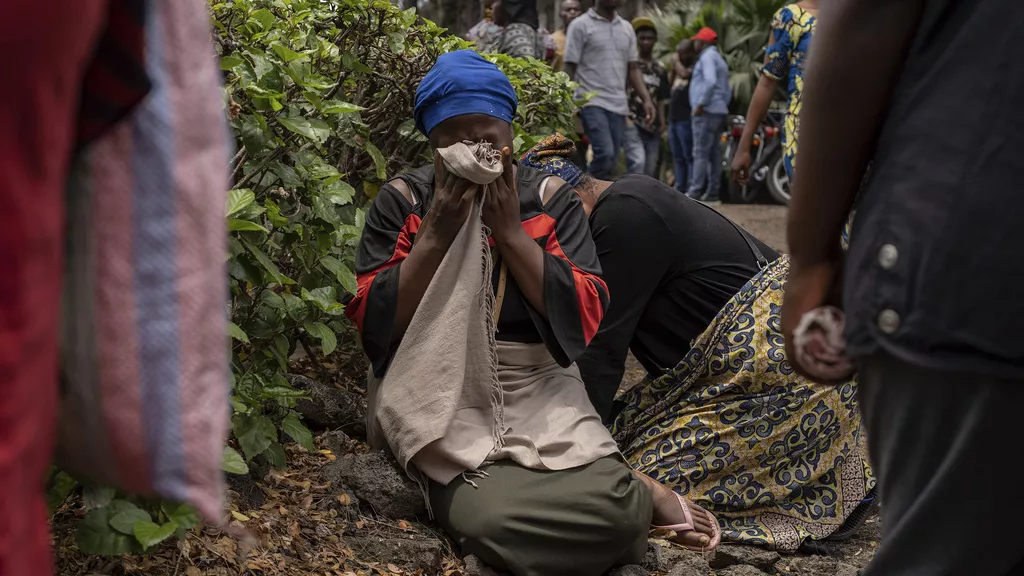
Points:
(767, 175)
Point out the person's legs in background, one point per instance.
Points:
(938, 442)
(702, 142)
(680, 140)
(604, 130)
(634, 147)
(652, 152)
(716, 123)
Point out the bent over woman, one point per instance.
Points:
(722, 419)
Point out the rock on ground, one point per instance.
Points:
(329, 407)
(338, 442)
(476, 567)
(411, 554)
(815, 566)
(740, 570)
(675, 561)
(628, 570)
(733, 555)
(378, 483)
(689, 564)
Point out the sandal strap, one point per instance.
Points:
(686, 526)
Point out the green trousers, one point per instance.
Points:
(576, 522)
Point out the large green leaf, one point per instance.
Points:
(95, 535)
(125, 515)
(260, 65)
(232, 462)
(230, 62)
(295, 307)
(294, 427)
(339, 107)
(272, 299)
(273, 392)
(58, 489)
(345, 277)
(275, 455)
(285, 53)
(237, 333)
(236, 225)
(254, 433)
(378, 161)
(268, 265)
(323, 298)
(150, 534)
(181, 514)
(321, 332)
(339, 192)
(265, 18)
(314, 129)
(254, 136)
(396, 40)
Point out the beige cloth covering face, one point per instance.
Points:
(454, 398)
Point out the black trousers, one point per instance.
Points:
(947, 452)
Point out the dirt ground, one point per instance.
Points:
(765, 222)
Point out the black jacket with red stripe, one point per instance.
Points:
(575, 295)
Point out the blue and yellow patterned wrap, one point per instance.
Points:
(792, 29)
(776, 457)
(551, 156)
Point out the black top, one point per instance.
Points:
(936, 260)
(520, 12)
(679, 105)
(575, 295)
(671, 263)
(656, 79)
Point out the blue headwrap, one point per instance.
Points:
(463, 82)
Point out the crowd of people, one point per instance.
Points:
(638, 103)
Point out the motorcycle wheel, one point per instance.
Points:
(778, 181)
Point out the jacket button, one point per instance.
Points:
(888, 321)
(888, 256)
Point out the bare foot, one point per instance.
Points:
(668, 512)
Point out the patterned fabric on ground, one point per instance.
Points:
(776, 457)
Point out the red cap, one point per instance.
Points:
(706, 34)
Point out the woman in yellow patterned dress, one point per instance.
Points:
(792, 29)
(723, 419)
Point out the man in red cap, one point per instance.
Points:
(709, 98)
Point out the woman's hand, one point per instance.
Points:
(501, 204)
(741, 167)
(453, 197)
